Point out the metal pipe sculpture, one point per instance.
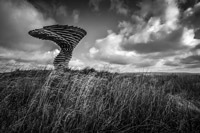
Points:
(66, 37)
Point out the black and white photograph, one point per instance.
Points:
(99, 66)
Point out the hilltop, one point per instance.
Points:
(91, 101)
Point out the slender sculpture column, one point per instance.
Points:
(66, 37)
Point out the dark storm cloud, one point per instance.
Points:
(119, 6)
(151, 8)
(170, 42)
(196, 47)
(116, 61)
(162, 55)
(122, 60)
(171, 63)
(95, 4)
(17, 18)
(57, 10)
(193, 59)
(119, 60)
(146, 63)
(185, 4)
(191, 16)
(197, 33)
(193, 66)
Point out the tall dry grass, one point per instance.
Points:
(91, 101)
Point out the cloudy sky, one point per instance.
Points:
(122, 35)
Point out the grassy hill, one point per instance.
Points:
(91, 101)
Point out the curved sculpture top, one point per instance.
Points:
(66, 37)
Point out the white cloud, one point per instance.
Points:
(109, 46)
(188, 38)
(172, 14)
(76, 63)
(108, 50)
(126, 28)
(40, 57)
(151, 43)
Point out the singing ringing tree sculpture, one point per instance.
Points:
(66, 37)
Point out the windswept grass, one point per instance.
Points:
(91, 101)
